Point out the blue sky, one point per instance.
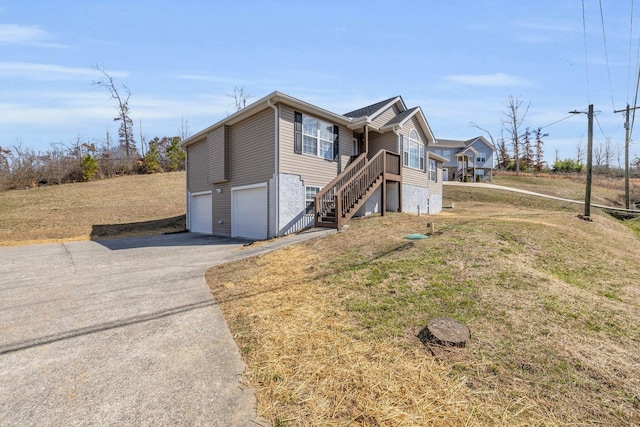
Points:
(459, 60)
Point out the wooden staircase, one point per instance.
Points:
(339, 200)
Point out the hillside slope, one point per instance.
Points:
(329, 328)
(128, 205)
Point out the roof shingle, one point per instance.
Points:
(370, 109)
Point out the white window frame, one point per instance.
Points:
(446, 154)
(308, 202)
(413, 151)
(319, 140)
(433, 170)
(481, 158)
(479, 173)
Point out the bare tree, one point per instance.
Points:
(184, 131)
(240, 96)
(598, 154)
(125, 132)
(580, 150)
(608, 152)
(514, 118)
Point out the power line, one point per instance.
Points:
(630, 48)
(606, 55)
(586, 62)
(557, 121)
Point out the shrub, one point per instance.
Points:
(89, 167)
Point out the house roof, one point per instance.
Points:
(450, 143)
(455, 143)
(402, 117)
(264, 103)
(370, 110)
(353, 119)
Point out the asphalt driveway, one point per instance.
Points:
(120, 332)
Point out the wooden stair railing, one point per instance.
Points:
(345, 194)
(325, 198)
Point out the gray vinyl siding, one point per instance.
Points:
(222, 210)
(481, 147)
(197, 167)
(218, 155)
(386, 141)
(436, 187)
(386, 115)
(311, 169)
(251, 149)
(410, 175)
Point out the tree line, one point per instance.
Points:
(22, 167)
(521, 148)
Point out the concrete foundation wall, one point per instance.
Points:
(372, 205)
(414, 199)
(292, 205)
(435, 203)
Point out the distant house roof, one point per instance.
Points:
(449, 143)
(455, 143)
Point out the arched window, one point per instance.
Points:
(413, 151)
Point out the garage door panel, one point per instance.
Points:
(250, 213)
(202, 213)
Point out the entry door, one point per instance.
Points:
(356, 151)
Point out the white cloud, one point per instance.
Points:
(51, 72)
(497, 79)
(25, 35)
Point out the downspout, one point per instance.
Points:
(276, 163)
(186, 184)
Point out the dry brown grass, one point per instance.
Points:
(124, 206)
(328, 328)
(607, 190)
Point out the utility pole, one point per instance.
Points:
(627, 137)
(587, 192)
(627, 198)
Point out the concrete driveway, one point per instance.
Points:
(120, 332)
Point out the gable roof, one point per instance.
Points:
(481, 139)
(455, 143)
(352, 120)
(401, 118)
(370, 110)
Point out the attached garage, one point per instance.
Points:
(249, 212)
(201, 213)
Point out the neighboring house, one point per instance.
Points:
(472, 158)
(281, 164)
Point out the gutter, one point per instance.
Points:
(276, 114)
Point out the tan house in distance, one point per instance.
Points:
(281, 165)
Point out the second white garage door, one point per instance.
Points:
(249, 212)
(201, 208)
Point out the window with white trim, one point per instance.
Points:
(309, 198)
(433, 171)
(413, 151)
(317, 137)
(446, 154)
(480, 158)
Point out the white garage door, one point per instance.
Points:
(201, 213)
(249, 212)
